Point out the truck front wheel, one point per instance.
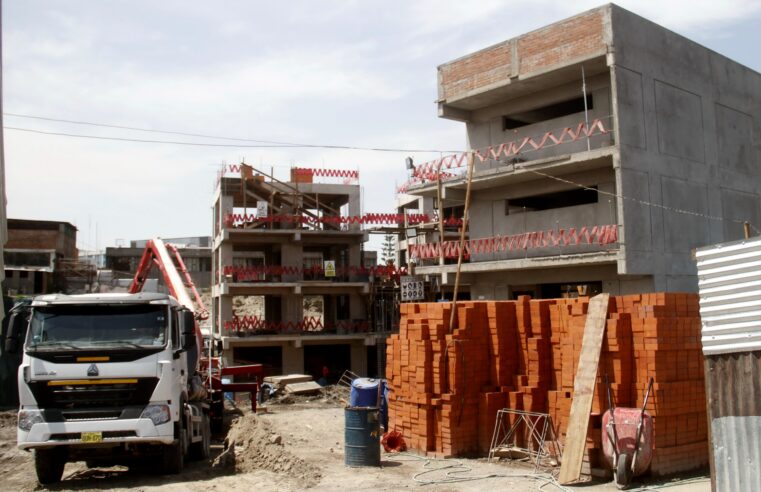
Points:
(174, 454)
(173, 458)
(49, 464)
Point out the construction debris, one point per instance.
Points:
(279, 382)
(305, 388)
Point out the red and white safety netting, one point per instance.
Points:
(601, 235)
(232, 219)
(430, 171)
(348, 176)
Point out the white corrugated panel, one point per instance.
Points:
(729, 281)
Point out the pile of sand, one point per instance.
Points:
(252, 445)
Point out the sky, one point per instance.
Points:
(354, 73)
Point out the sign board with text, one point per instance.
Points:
(412, 288)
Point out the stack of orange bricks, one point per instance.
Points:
(446, 388)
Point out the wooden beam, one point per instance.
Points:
(288, 187)
(261, 198)
(583, 390)
(440, 199)
(465, 218)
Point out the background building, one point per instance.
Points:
(39, 255)
(291, 285)
(195, 253)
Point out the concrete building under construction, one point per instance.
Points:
(289, 285)
(606, 147)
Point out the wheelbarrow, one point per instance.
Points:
(629, 443)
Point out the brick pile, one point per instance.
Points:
(446, 387)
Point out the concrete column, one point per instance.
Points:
(355, 208)
(358, 358)
(357, 308)
(293, 359)
(224, 206)
(291, 254)
(292, 308)
(355, 260)
(224, 312)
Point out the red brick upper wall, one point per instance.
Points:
(30, 239)
(478, 70)
(553, 45)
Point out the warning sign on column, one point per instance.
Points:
(412, 288)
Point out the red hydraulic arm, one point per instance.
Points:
(178, 281)
(157, 253)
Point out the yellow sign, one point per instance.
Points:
(330, 268)
(103, 358)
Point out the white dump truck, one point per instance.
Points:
(117, 378)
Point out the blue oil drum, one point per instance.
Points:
(362, 436)
(364, 393)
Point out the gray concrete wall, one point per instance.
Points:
(689, 122)
(488, 217)
(486, 126)
(501, 285)
(687, 160)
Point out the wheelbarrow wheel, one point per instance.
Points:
(623, 473)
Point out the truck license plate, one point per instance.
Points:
(92, 437)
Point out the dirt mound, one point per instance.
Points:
(252, 445)
(8, 419)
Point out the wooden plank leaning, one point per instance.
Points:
(583, 390)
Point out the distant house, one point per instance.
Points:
(36, 255)
(195, 253)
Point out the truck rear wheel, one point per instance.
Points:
(49, 464)
(200, 450)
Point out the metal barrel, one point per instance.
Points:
(362, 436)
(365, 392)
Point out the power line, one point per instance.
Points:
(138, 129)
(637, 200)
(259, 143)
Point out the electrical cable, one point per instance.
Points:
(522, 167)
(263, 144)
(138, 129)
(455, 471)
(636, 200)
(675, 483)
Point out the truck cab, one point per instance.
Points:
(110, 379)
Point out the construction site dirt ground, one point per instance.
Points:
(292, 445)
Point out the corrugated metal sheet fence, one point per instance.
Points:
(729, 278)
(730, 307)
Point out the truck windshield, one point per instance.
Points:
(101, 326)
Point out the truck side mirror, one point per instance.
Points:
(11, 345)
(188, 329)
(15, 328)
(187, 322)
(188, 341)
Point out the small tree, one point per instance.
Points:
(389, 249)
